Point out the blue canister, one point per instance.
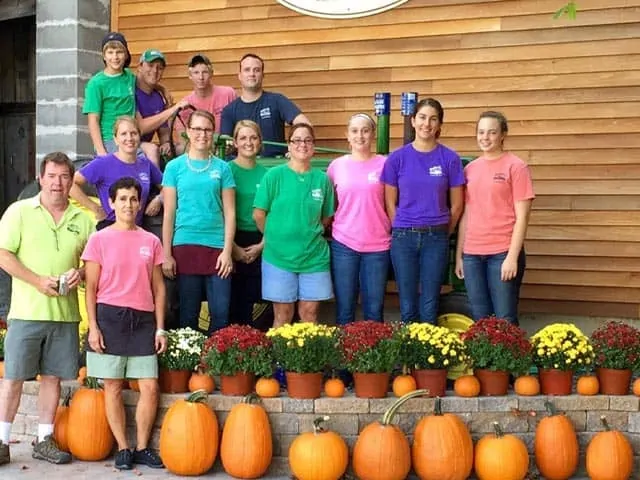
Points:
(408, 103)
(382, 103)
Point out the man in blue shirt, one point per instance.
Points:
(270, 110)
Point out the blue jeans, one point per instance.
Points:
(218, 293)
(487, 293)
(420, 258)
(353, 271)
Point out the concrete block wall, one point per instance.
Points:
(349, 415)
(68, 53)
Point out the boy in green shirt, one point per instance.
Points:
(110, 94)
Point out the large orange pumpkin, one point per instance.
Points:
(88, 434)
(382, 450)
(201, 381)
(189, 436)
(609, 455)
(497, 452)
(61, 424)
(318, 455)
(556, 446)
(246, 447)
(467, 386)
(588, 385)
(268, 387)
(442, 447)
(527, 386)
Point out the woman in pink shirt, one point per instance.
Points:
(490, 252)
(361, 227)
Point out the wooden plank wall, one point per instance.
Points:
(571, 90)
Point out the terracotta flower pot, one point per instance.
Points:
(433, 380)
(239, 384)
(371, 385)
(613, 381)
(555, 382)
(493, 383)
(174, 381)
(304, 385)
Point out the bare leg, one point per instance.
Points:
(308, 311)
(146, 410)
(115, 411)
(48, 399)
(10, 391)
(282, 313)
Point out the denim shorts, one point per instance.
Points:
(281, 286)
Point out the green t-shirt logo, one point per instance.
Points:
(316, 194)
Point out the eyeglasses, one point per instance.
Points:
(301, 141)
(200, 130)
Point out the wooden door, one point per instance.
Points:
(18, 148)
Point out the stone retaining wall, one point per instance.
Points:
(349, 415)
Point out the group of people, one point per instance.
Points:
(237, 233)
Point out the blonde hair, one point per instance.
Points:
(364, 116)
(202, 114)
(248, 124)
(115, 44)
(125, 119)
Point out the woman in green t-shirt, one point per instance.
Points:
(246, 282)
(293, 205)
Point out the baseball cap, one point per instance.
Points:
(152, 55)
(117, 37)
(198, 59)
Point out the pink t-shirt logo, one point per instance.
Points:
(145, 252)
(373, 177)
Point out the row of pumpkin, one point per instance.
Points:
(442, 446)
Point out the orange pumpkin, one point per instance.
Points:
(467, 386)
(442, 447)
(88, 432)
(403, 384)
(527, 386)
(556, 446)
(609, 455)
(636, 387)
(189, 436)
(268, 387)
(246, 445)
(588, 385)
(2, 369)
(82, 375)
(334, 387)
(382, 450)
(133, 385)
(497, 452)
(318, 455)
(201, 381)
(61, 424)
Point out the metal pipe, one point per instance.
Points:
(382, 107)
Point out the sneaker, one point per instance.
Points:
(124, 459)
(147, 457)
(48, 450)
(4, 453)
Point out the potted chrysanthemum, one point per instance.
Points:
(184, 347)
(237, 354)
(616, 346)
(370, 350)
(430, 351)
(559, 349)
(304, 351)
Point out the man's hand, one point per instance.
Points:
(165, 149)
(253, 251)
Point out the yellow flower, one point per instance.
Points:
(431, 359)
(300, 342)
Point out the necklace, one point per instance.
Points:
(198, 170)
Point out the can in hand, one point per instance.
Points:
(63, 286)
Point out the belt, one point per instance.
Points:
(425, 229)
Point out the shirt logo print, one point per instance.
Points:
(215, 175)
(144, 178)
(435, 171)
(145, 252)
(316, 194)
(265, 113)
(373, 177)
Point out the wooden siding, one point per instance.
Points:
(571, 90)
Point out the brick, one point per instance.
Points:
(634, 439)
(342, 405)
(497, 404)
(285, 422)
(627, 403)
(380, 405)
(273, 405)
(343, 424)
(583, 439)
(616, 420)
(31, 388)
(18, 427)
(166, 400)
(483, 422)
(579, 402)
(281, 444)
(295, 405)
(279, 466)
(223, 402)
(579, 420)
(407, 422)
(414, 405)
(365, 419)
(634, 422)
(28, 404)
(535, 403)
(459, 404)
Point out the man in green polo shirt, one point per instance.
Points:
(41, 240)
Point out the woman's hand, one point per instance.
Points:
(224, 264)
(459, 270)
(509, 269)
(96, 340)
(161, 343)
(153, 207)
(99, 213)
(253, 252)
(169, 267)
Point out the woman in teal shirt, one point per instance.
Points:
(293, 205)
(199, 225)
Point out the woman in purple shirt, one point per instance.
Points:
(424, 197)
(104, 171)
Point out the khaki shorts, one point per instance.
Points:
(34, 347)
(104, 365)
